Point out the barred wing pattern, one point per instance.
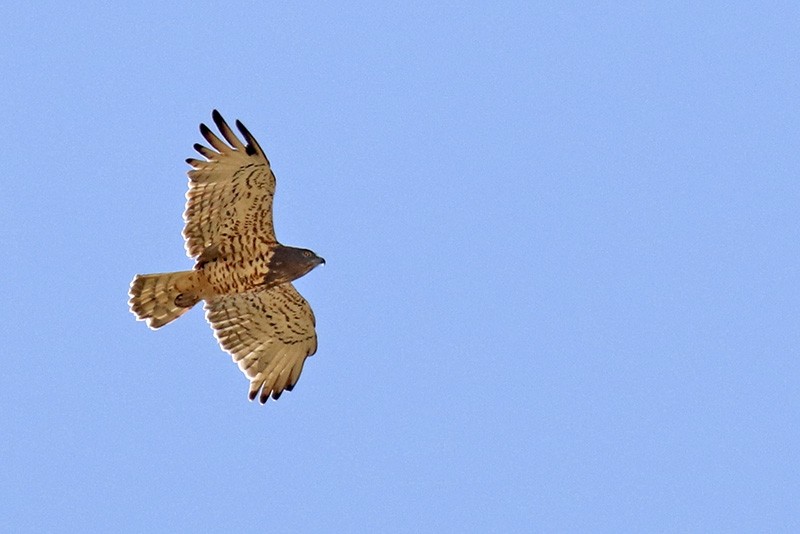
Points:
(269, 333)
(229, 202)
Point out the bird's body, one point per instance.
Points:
(241, 271)
(236, 275)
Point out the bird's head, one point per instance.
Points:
(290, 263)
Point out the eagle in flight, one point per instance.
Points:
(241, 271)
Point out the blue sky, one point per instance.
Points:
(562, 280)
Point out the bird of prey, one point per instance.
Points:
(241, 271)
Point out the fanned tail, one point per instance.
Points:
(161, 298)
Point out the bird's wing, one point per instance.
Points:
(269, 333)
(229, 202)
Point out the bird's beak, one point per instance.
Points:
(321, 261)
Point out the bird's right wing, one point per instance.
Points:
(269, 333)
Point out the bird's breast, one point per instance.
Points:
(236, 276)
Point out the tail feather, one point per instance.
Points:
(161, 298)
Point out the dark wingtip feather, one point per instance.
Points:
(212, 138)
(252, 394)
(219, 121)
(252, 147)
(290, 387)
(226, 131)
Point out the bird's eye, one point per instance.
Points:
(307, 254)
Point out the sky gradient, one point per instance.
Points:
(561, 290)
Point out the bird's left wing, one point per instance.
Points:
(229, 202)
(269, 333)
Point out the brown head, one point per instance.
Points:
(290, 263)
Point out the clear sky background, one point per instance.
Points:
(562, 284)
